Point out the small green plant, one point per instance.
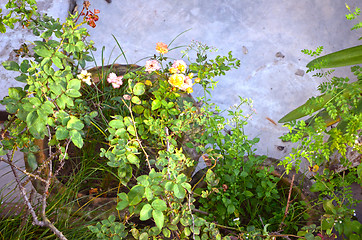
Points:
(240, 186)
(340, 105)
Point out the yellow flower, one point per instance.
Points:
(148, 83)
(177, 80)
(173, 70)
(189, 90)
(197, 80)
(315, 168)
(191, 75)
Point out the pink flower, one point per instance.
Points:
(116, 81)
(187, 84)
(152, 65)
(179, 65)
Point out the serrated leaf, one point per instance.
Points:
(159, 218)
(146, 212)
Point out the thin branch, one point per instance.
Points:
(288, 202)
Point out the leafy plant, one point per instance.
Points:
(240, 185)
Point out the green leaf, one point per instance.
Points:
(123, 201)
(22, 78)
(139, 89)
(136, 100)
(179, 191)
(11, 65)
(159, 204)
(345, 57)
(359, 171)
(149, 193)
(317, 187)
(74, 84)
(312, 105)
(16, 93)
(166, 233)
(76, 138)
(73, 93)
(135, 195)
(329, 207)
(143, 236)
(248, 194)
(138, 109)
(31, 159)
(156, 104)
(116, 123)
(24, 66)
(327, 223)
(57, 62)
(131, 130)
(61, 133)
(42, 51)
(75, 123)
(133, 159)
(146, 212)
(159, 218)
(2, 28)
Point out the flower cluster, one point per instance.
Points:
(85, 77)
(116, 81)
(178, 69)
(90, 17)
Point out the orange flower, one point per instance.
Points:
(161, 47)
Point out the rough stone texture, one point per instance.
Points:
(254, 30)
